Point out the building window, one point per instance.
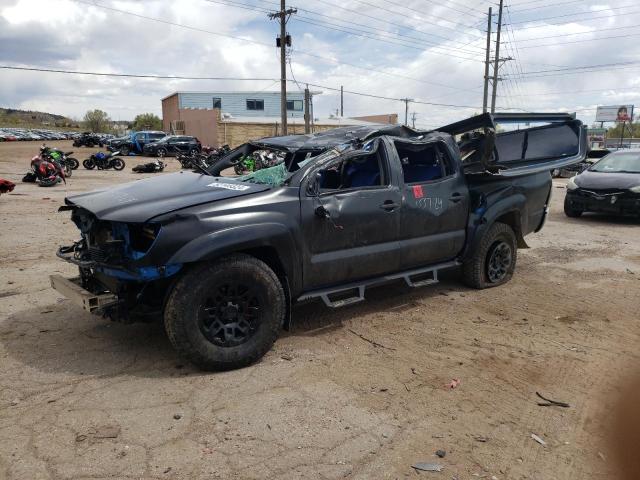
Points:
(255, 104)
(217, 102)
(294, 105)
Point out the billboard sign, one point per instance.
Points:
(615, 113)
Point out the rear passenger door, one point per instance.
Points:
(435, 202)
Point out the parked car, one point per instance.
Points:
(135, 142)
(222, 260)
(88, 139)
(173, 145)
(611, 185)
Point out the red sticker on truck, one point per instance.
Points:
(417, 191)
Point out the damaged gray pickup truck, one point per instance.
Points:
(222, 260)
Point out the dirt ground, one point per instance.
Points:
(82, 397)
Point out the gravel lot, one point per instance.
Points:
(82, 397)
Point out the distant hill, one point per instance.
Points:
(10, 117)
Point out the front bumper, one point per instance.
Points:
(72, 289)
(139, 274)
(622, 203)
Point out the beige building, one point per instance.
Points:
(212, 127)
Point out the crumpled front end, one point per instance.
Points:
(111, 258)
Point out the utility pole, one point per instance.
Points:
(307, 116)
(496, 65)
(406, 110)
(413, 119)
(487, 61)
(341, 101)
(283, 42)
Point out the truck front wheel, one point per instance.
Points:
(494, 260)
(226, 314)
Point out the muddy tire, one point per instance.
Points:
(226, 314)
(124, 150)
(570, 210)
(494, 259)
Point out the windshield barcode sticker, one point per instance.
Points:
(228, 186)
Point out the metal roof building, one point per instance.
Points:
(239, 104)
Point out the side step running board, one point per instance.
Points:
(351, 293)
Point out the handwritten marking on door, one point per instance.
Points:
(430, 203)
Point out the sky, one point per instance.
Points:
(431, 51)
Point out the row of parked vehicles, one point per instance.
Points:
(24, 134)
(10, 134)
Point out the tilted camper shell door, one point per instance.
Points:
(546, 147)
(558, 140)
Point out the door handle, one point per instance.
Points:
(389, 206)
(455, 197)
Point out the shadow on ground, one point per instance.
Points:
(64, 339)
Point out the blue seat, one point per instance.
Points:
(421, 173)
(365, 174)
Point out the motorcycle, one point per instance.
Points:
(151, 167)
(206, 158)
(256, 161)
(44, 172)
(66, 162)
(104, 161)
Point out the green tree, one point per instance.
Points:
(615, 132)
(147, 121)
(97, 121)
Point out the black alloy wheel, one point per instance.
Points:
(231, 314)
(499, 261)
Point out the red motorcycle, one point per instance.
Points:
(44, 172)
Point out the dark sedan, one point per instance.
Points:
(611, 185)
(173, 145)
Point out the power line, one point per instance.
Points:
(180, 77)
(581, 41)
(580, 67)
(130, 75)
(439, 4)
(353, 31)
(577, 19)
(395, 12)
(384, 21)
(302, 52)
(395, 4)
(370, 37)
(588, 32)
(394, 35)
(549, 5)
(579, 70)
(580, 92)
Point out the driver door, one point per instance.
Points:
(350, 210)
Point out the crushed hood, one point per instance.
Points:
(140, 201)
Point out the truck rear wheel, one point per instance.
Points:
(226, 314)
(494, 259)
